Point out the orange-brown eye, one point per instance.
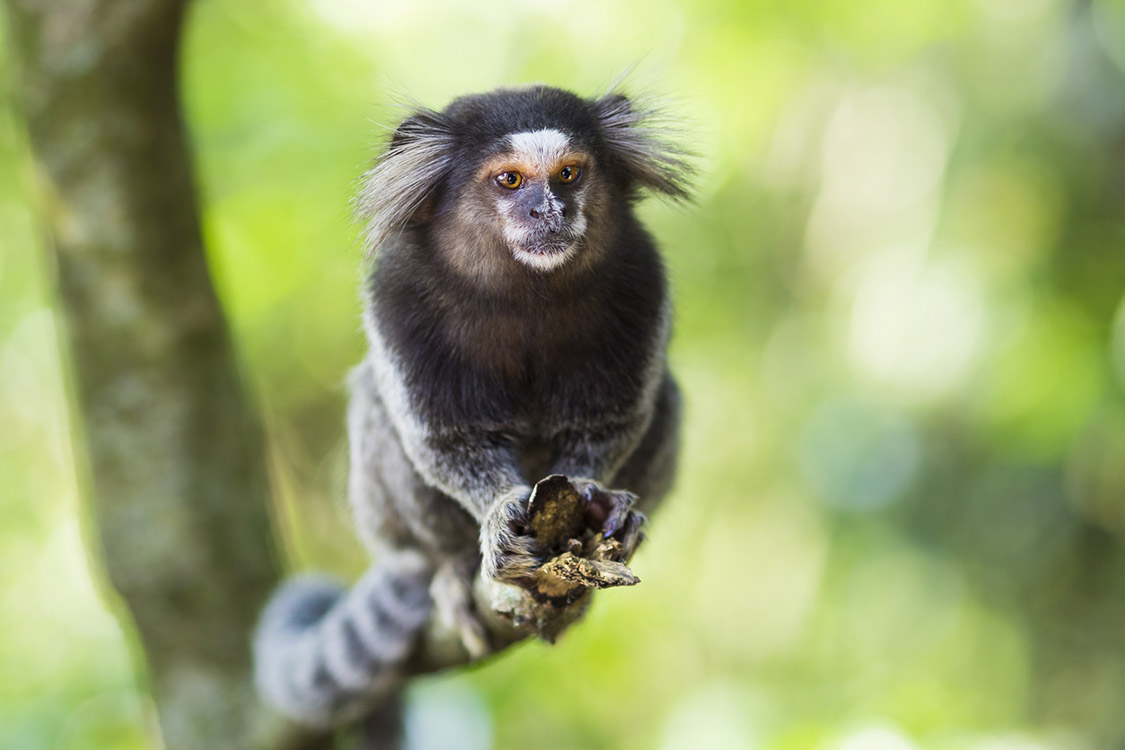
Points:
(569, 173)
(510, 180)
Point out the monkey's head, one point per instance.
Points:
(528, 178)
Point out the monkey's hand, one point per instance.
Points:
(555, 545)
(518, 537)
(509, 553)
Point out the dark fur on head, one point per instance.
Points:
(433, 154)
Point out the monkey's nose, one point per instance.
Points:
(548, 211)
(549, 215)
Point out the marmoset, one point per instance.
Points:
(518, 315)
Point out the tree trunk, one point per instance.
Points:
(173, 447)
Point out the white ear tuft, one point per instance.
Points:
(419, 156)
(642, 139)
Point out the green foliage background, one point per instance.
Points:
(901, 329)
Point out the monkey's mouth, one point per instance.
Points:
(553, 245)
(546, 251)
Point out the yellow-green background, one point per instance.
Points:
(900, 327)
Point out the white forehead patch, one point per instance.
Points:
(542, 149)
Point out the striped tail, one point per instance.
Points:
(324, 654)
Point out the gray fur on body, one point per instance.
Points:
(434, 499)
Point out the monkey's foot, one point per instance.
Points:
(452, 593)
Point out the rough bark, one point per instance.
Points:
(173, 448)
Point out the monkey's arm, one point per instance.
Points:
(601, 432)
(611, 457)
(474, 465)
(596, 449)
(594, 444)
(480, 469)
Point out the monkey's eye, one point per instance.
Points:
(569, 173)
(510, 180)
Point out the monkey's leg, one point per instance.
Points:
(324, 654)
(650, 470)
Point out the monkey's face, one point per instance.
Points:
(532, 178)
(539, 186)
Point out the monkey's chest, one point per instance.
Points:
(532, 377)
(536, 400)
